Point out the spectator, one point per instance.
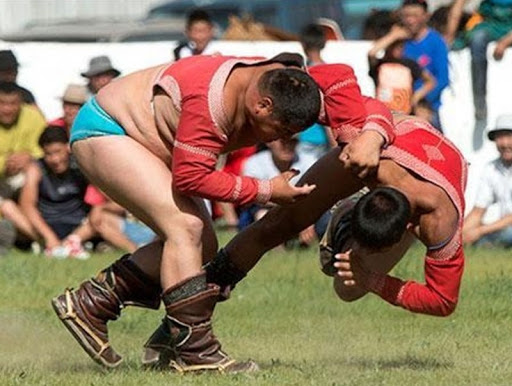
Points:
(199, 32)
(9, 73)
(119, 228)
(53, 198)
(100, 73)
(423, 45)
(74, 97)
(394, 77)
(424, 111)
(378, 23)
(280, 156)
(315, 139)
(20, 127)
(495, 24)
(495, 187)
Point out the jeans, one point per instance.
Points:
(501, 238)
(478, 47)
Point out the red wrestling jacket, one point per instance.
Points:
(345, 110)
(425, 151)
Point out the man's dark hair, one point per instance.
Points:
(9, 88)
(53, 134)
(421, 3)
(380, 218)
(295, 96)
(378, 23)
(312, 37)
(197, 15)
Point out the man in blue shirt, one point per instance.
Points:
(423, 45)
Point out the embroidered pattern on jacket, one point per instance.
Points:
(194, 149)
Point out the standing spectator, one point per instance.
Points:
(315, 139)
(495, 186)
(100, 73)
(20, 127)
(425, 46)
(74, 97)
(199, 32)
(9, 73)
(494, 24)
(53, 198)
(394, 77)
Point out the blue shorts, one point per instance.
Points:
(93, 121)
(139, 233)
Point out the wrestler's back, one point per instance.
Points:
(129, 100)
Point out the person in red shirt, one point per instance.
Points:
(150, 141)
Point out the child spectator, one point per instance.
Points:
(315, 139)
(423, 45)
(199, 32)
(53, 198)
(394, 77)
(280, 156)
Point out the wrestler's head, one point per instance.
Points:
(380, 219)
(54, 142)
(282, 102)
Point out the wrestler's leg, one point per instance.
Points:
(378, 262)
(332, 182)
(142, 183)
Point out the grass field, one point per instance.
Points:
(286, 317)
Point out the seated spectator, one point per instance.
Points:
(9, 73)
(53, 198)
(495, 187)
(394, 77)
(100, 73)
(20, 128)
(280, 157)
(74, 97)
(119, 228)
(199, 32)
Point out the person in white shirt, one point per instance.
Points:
(199, 32)
(281, 155)
(495, 187)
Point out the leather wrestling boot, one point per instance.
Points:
(86, 311)
(221, 271)
(189, 307)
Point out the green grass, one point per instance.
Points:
(285, 316)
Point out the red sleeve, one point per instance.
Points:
(438, 296)
(196, 148)
(345, 110)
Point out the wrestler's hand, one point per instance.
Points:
(350, 269)
(308, 235)
(362, 155)
(285, 193)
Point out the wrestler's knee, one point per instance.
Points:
(184, 228)
(346, 293)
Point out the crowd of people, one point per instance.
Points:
(301, 140)
(47, 204)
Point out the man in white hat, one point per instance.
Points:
(100, 73)
(74, 97)
(494, 187)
